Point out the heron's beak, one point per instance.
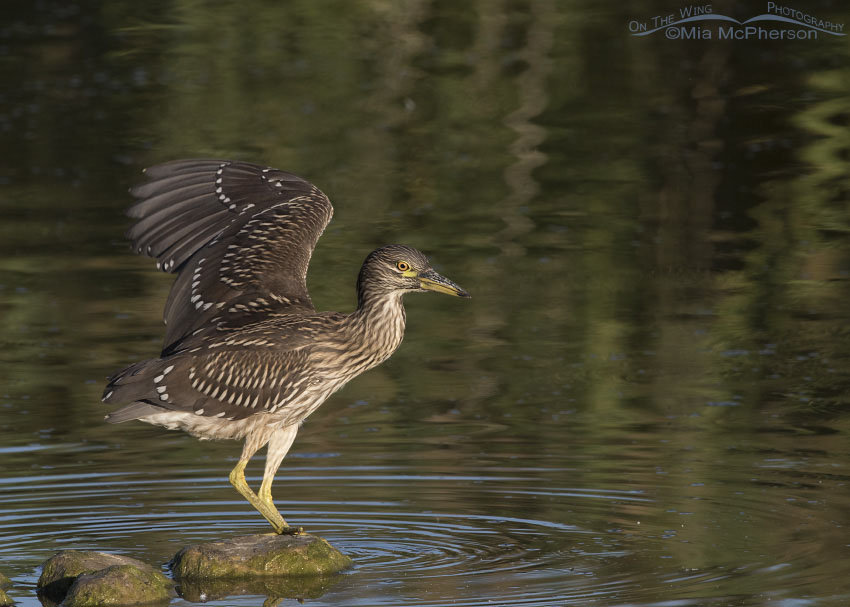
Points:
(431, 281)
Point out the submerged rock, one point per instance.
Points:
(5, 582)
(83, 579)
(253, 556)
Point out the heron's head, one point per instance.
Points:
(399, 268)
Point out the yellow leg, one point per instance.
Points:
(264, 495)
(264, 507)
(279, 443)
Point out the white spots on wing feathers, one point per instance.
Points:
(249, 382)
(219, 190)
(235, 363)
(194, 296)
(281, 224)
(255, 305)
(302, 211)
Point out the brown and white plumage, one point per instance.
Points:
(246, 355)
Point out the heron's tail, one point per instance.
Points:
(135, 384)
(131, 412)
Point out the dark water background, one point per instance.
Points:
(647, 400)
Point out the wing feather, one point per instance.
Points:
(232, 383)
(235, 233)
(182, 167)
(151, 188)
(157, 219)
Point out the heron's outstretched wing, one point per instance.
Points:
(238, 235)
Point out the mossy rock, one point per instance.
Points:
(97, 578)
(59, 571)
(5, 582)
(119, 585)
(253, 556)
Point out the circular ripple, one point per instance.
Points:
(430, 557)
(449, 544)
(436, 544)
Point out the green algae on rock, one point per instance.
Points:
(83, 578)
(119, 585)
(265, 555)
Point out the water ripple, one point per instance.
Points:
(518, 536)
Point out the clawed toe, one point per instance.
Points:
(291, 531)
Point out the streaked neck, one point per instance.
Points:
(380, 319)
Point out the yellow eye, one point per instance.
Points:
(403, 266)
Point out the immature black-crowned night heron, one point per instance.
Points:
(246, 355)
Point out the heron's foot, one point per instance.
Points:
(274, 518)
(296, 531)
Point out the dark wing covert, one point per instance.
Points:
(238, 235)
